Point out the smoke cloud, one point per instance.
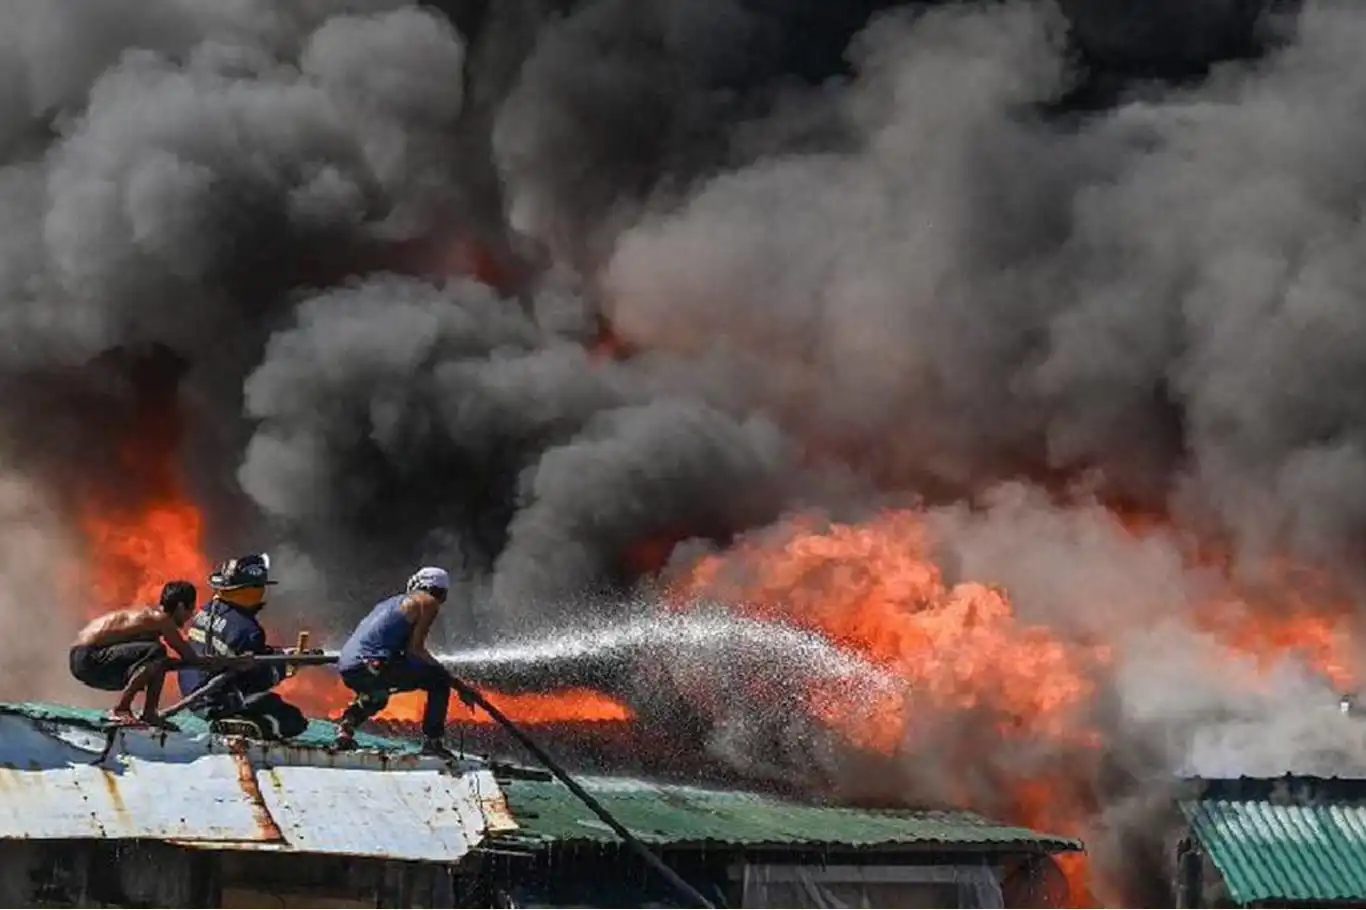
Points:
(558, 295)
(40, 610)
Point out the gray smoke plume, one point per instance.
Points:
(451, 388)
(736, 259)
(41, 607)
(1136, 293)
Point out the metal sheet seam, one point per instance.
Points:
(493, 807)
(246, 779)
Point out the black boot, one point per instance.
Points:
(346, 739)
(432, 745)
(237, 726)
(350, 719)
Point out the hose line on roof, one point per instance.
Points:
(471, 695)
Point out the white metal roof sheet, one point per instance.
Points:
(202, 790)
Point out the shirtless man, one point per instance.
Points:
(123, 650)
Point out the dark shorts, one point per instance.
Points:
(109, 667)
(398, 675)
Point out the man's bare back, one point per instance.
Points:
(134, 623)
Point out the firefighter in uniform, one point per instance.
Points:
(227, 627)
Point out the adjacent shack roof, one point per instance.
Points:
(206, 791)
(677, 816)
(1288, 839)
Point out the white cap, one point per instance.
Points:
(429, 577)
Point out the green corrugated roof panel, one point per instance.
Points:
(1272, 851)
(319, 735)
(679, 816)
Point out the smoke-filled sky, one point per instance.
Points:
(857, 255)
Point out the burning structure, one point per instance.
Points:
(191, 819)
(845, 393)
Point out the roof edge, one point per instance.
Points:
(1044, 845)
(1287, 788)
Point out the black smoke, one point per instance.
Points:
(187, 177)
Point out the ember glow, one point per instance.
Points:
(322, 694)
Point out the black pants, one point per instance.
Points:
(109, 667)
(374, 682)
(277, 718)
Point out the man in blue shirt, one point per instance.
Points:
(388, 653)
(227, 627)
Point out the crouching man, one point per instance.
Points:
(228, 627)
(125, 651)
(388, 653)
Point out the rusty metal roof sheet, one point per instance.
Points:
(221, 792)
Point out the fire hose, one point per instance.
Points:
(472, 696)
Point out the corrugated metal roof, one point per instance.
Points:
(688, 816)
(214, 792)
(319, 735)
(1285, 839)
(339, 811)
(228, 793)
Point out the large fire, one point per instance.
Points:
(873, 588)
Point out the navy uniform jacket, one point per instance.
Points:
(224, 630)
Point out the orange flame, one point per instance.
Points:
(875, 589)
(1295, 611)
(1290, 610)
(135, 552)
(137, 546)
(325, 695)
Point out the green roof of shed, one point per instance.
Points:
(319, 735)
(1284, 839)
(547, 812)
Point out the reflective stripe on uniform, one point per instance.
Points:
(217, 644)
